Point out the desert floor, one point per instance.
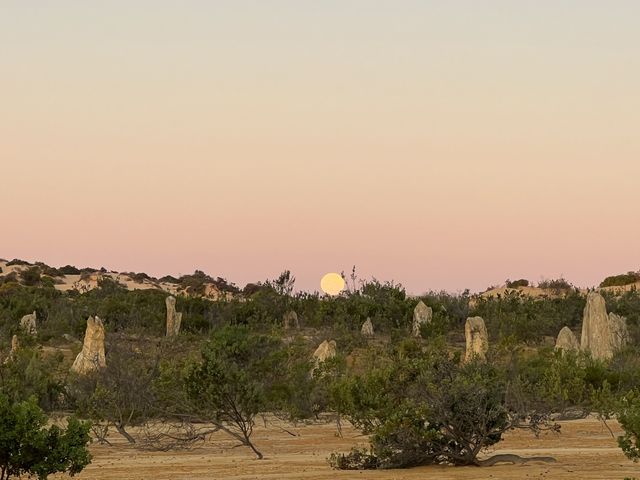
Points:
(584, 450)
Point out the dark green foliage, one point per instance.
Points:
(122, 394)
(28, 447)
(195, 284)
(621, 280)
(629, 418)
(517, 283)
(526, 318)
(16, 261)
(11, 277)
(69, 270)
(385, 303)
(425, 410)
(31, 276)
(235, 380)
(557, 285)
(627, 304)
(138, 277)
(30, 375)
(168, 279)
(356, 459)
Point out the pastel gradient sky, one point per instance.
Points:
(443, 145)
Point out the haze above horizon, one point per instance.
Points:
(444, 145)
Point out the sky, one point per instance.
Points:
(440, 144)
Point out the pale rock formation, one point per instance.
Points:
(325, 351)
(28, 323)
(290, 320)
(15, 346)
(567, 341)
(174, 319)
(618, 331)
(367, 328)
(91, 358)
(477, 339)
(421, 314)
(602, 334)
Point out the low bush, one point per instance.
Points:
(28, 447)
(556, 285)
(621, 280)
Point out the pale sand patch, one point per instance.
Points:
(584, 450)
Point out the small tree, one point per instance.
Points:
(122, 393)
(629, 418)
(28, 447)
(235, 381)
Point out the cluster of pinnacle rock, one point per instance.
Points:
(602, 334)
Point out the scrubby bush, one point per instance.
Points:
(28, 374)
(621, 280)
(11, 277)
(121, 394)
(557, 285)
(69, 270)
(17, 261)
(629, 418)
(29, 447)
(31, 276)
(517, 283)
(235, 381)
(168, 279)
(195, 284)
(427, 409)
(528, 319)
(138, 277)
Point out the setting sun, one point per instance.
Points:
(332, 283)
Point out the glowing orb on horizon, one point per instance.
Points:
(332, 283)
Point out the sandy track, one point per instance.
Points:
(584, 450)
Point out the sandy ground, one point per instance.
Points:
(584, 450)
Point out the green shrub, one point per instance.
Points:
(31, 276)
(236, 380)
(30, 375)
(426, 410)
(621, 280)
(28, 447)
(557, 285)
(69, 270)
(629, 418)
(17, 261)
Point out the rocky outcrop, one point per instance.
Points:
(28, 324)
(477, 339)
(325, 351)
(602, 334)
(618, 331)
(174, 319)
(290, 320)
(421, 315)
(567, 341)
(367, 328)
(91, 358)
(15, 346)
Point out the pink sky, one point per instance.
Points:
(442, 145)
